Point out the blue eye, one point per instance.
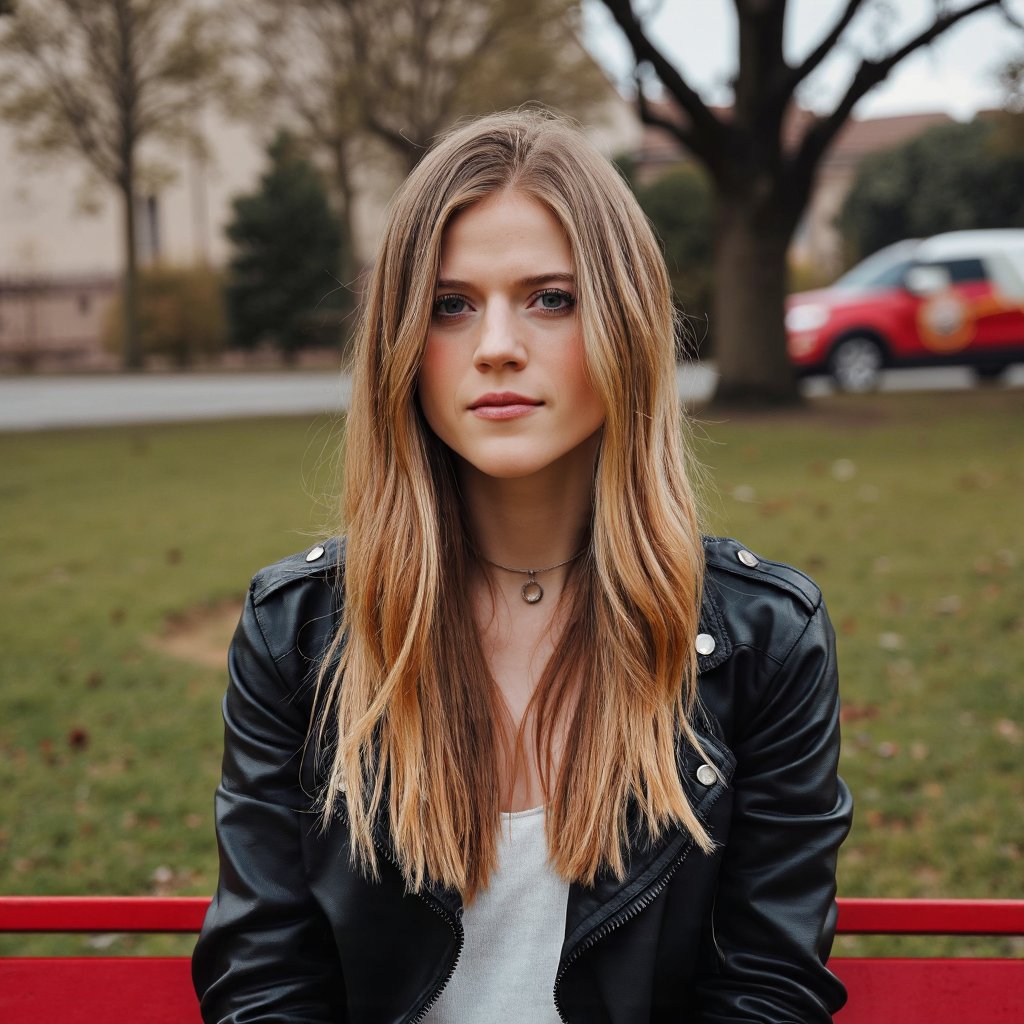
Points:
(449, 305)
(555, 300)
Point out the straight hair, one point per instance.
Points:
(418, 730)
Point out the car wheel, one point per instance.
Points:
(989, 373)
(856, 364)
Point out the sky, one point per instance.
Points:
(957, 74)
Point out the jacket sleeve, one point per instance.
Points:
(265, 952)
(774, 915)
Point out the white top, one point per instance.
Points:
(514, 932)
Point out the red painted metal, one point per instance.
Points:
(147, 990)
(101, 913)
(931, 917)
(97, 990)
(185, 914)
(934, 991)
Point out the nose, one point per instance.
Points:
(500, 342)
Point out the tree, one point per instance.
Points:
(96, 80)
(281, 275)
(953, 177)
(762, 182)
(679, 205)
(418, 65)
(341, 73)
(181, 314)
(302, 60)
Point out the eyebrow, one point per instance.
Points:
(525, 282)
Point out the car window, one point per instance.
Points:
(961, 271)
(864, 278)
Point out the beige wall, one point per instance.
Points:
(51, 223)
(54, 321)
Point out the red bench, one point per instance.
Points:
(158, 990)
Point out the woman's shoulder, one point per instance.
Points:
(758, 602)
(297, 600)
(321, 563)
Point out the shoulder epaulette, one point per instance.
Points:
(731, 556)
(322, 560)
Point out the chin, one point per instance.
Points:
(508, 465)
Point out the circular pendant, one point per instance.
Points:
(532, 592)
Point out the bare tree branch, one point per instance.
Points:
(826, 46)
(648, 116)
(706, 136)
(868, 75)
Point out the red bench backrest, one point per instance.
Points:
(158, 990)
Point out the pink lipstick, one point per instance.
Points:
(503, 405)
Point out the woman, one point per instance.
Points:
(523, 746)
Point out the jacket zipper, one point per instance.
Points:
(438, 909)
(460, 936)
(646, 898)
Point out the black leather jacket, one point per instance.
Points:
(294, 934)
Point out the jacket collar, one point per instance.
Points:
(712, 623)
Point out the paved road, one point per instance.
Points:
(36, 403)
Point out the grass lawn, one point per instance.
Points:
(906, 509)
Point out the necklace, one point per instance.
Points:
(531, 590)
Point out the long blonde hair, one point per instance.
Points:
(405, 687)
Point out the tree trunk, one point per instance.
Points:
(348, 265)
(132, 353)
(749, 305)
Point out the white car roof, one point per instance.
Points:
(968, 244)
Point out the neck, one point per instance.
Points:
(530, 522)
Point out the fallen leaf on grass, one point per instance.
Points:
(948, 605)
(1008, 730)
(858, 712)
(78, 739)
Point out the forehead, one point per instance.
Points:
(507, 227)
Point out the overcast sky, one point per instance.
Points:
(956, 74)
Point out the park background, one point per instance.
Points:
(127, 548)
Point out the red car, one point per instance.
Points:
(953, 299)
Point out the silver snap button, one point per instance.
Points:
(315, 553)
(705, 643)
(747, 558)
(706, 775)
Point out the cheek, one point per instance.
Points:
(573, 372)
(436, 380)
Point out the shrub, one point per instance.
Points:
(181, 314)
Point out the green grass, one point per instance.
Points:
(906, 509)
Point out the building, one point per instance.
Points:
(60, 235)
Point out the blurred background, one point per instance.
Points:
(190, 196)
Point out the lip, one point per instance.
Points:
(503, 399)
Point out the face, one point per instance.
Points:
(503, 381)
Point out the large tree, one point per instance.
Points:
(762, 181)
(97, 79)
(341, 73)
